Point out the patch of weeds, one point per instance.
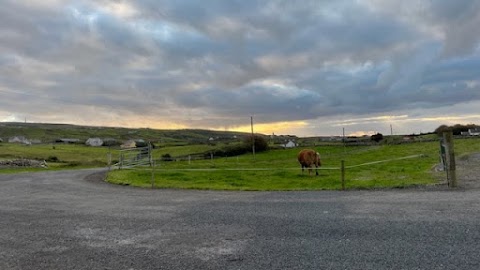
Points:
(52, 159)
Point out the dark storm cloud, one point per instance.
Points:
(211, 63)
(459, 20)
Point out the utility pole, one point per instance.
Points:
(391, 130)
(253, 138)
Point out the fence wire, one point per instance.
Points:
(291, 168)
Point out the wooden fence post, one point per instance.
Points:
(109, 160)
(120, 163)
(153, 174)
(342, 168)
(450, 156)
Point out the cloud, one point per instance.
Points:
(212, 64)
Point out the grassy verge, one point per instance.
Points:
(59, 156)
(279, 170)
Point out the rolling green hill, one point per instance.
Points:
(49, 133)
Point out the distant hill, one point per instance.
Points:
(49, 133)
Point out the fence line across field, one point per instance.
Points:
(292, 168)
(139, 157)
(245, 169)
(384, 161)
(342, 167)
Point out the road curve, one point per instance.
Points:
(71, 220)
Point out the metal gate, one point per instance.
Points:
(133, 157)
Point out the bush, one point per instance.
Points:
(228, 151)
(261, 143)
(141, 143)
(167, 157)
(456, 129)
(377, 137)
(111, 142)
(52, 159)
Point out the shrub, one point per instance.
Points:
(261, 143)
(141, 143)
(228, 151)
(456, 129)
(52, 159)
(111, 142)
(377, 137)
(166, 157)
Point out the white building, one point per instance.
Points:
(290, 144)
(94, 142)
(474, 132)
(19, 139)
(129, 144)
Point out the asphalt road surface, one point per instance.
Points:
(70, 220)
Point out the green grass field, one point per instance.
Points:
(271, 170)
(279, 169)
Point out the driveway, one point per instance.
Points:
(71, 220)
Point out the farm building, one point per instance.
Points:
(94, 142)
(290, 144)
(128, 144)
(474, 132)
(19, 139)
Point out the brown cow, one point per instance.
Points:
(308, 158)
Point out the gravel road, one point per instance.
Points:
(72, 220)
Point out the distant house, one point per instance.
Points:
(19, 139)
(129, 144)
(474, 132)
(94, 142)
(290, 144)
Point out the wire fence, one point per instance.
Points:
(142, 157)
(291, 168)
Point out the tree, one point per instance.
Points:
(457, 129)
(377, 137)
(261, 144)
(439, 130)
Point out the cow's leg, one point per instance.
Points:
(316, 170)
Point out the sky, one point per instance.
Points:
(305, 68)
